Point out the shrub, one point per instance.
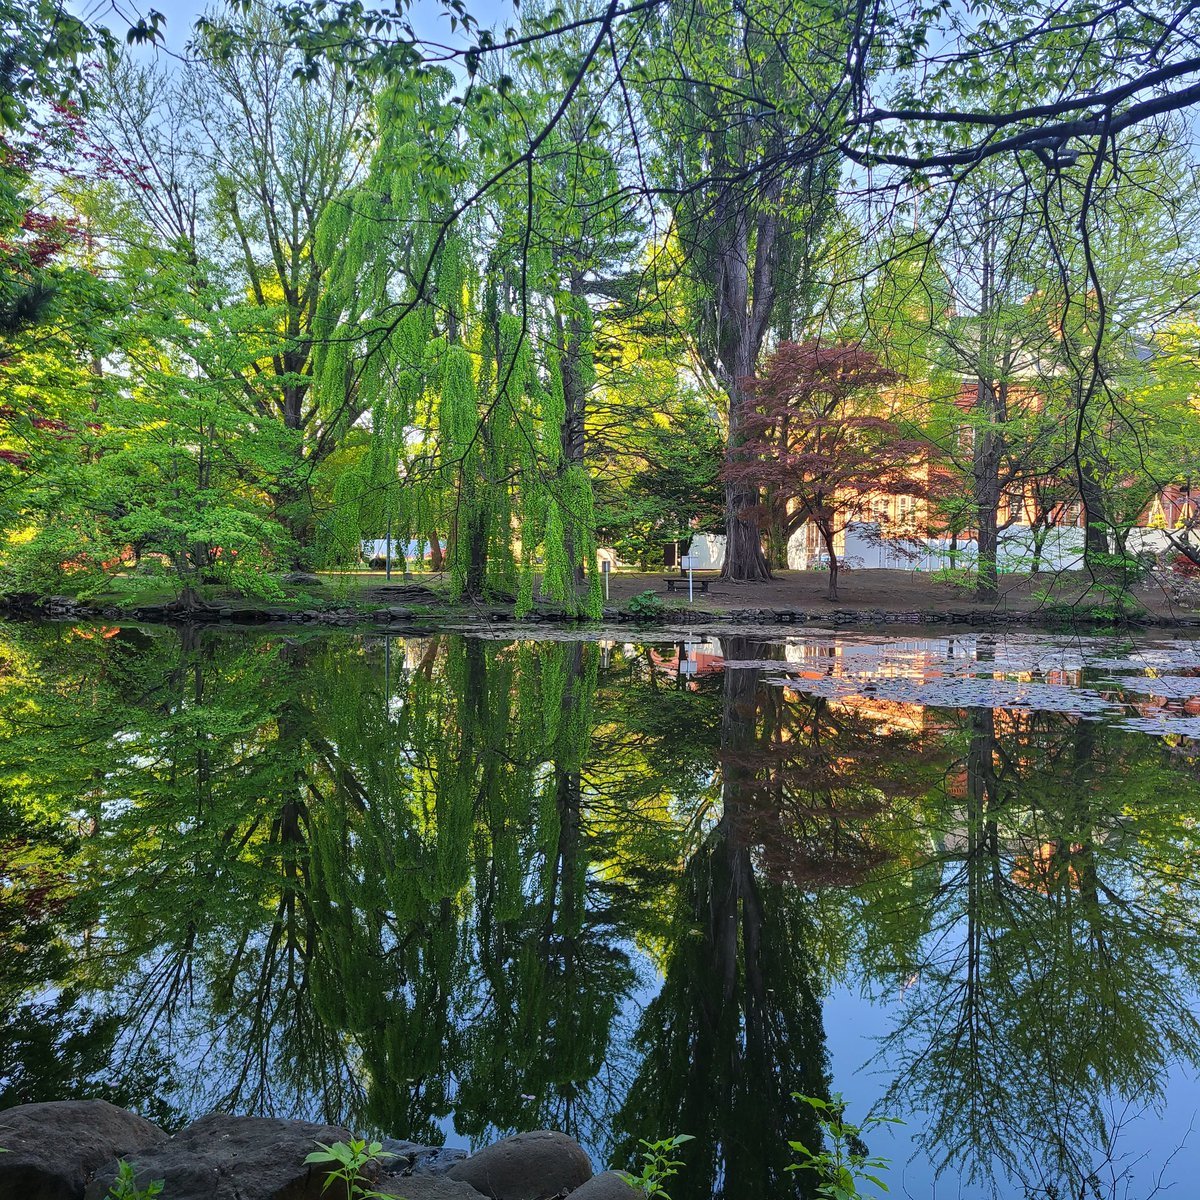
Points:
(646, 606)
(56, 558)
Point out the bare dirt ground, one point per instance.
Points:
(889, 591)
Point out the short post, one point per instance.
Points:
(687, 562)
(606, 571)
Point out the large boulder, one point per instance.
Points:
(528, 1166)
(233, 1158)
(53, 1149)
(608, 1185)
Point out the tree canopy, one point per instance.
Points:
(324, 280)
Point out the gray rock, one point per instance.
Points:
(529, 1166)
(608, 1185)
(411, 1158)
(233, 1158)
(427, 1187)
(303, 577)
(55, 1148)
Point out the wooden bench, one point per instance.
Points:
(681, 582)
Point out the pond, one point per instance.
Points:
(441, 886)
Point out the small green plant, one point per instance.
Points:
(646, 606)
(846, 1162)
(125, 1187)
(346, 1161)
(658, 1161)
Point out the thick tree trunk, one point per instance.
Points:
(744, 311)
(744, 557)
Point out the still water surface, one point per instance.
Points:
(441, 887)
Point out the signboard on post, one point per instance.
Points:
(687, 562)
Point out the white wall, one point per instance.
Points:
(1149, 541)
(412, 550)
(861, 546)
(707, 551)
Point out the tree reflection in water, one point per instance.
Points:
(397, 882)
(1055, 982)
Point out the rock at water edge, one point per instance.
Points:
(608, 1185)
(54, 1149)
(427, 1187)
(233, 1158)
(527, 1166)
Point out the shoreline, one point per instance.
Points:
(73, 1150)
(498, 617)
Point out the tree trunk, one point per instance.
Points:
(777, 536)
(986, 479)
(571, 348)
(827, 538)
(477, 548)
(1095, 538)
(987, 585)
(744, 557)
(743, 315)
(1038, 543)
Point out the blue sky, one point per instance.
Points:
(428, 16)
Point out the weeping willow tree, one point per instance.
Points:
(577, 232)
(375, 320)
(424, 328)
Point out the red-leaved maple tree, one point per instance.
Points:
(819, 442)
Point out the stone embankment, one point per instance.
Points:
(69, 1150)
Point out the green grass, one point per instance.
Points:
(129, 590)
